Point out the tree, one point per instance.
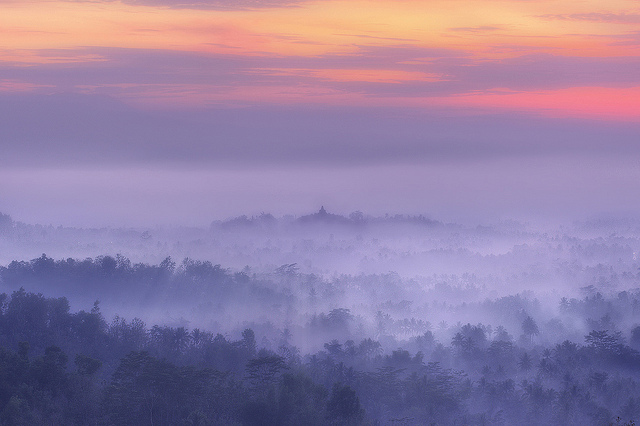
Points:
(344, 405)
(262, 371)
(6, 223)
(525, 363)
(300, 401)
(634, 342)
(143, 391)
(249, 342)
(86, 365)
(50, 370)
(530, 328)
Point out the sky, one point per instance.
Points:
(141, 112)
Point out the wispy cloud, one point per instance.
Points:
(372, 37)
(372, 71)
(629, 39)
(194, 4)
(480, 29)
(217, 4)
(40, 130)
(618, 18)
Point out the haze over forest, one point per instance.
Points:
(166, 259)
(327, 305)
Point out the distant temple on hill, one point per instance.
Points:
(322, 216)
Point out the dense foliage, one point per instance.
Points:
(61, 367)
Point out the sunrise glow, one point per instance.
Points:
(440, 52)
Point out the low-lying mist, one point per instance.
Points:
(392, 277)
(407, 319)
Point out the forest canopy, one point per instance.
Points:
(77, 367)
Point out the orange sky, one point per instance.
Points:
(450, 52)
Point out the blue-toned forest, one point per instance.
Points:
(61, 366)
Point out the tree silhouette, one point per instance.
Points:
(344, 405)
(530, 328)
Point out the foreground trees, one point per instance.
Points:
(61, 367)
(173, 376)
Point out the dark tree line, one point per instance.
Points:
(61, 367)
(126, 374)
